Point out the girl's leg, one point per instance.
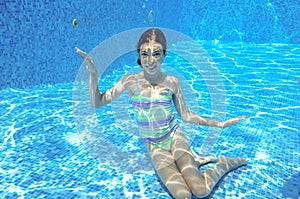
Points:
(168, 172)
(201, 184)
(203, 160)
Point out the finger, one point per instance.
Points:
(80, 51)
(82, 54)
(234, 120)
(243, 117)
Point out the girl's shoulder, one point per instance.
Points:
(173, 83)
(172, 79)
(129, 78)
(130, 81)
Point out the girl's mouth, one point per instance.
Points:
(152, 67)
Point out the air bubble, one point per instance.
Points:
(151, 18)
(75, 23)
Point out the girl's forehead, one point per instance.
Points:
(151, 45)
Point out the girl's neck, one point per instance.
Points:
(155, 78)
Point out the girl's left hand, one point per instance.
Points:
(232, 121)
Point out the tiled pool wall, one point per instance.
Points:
(38, 38)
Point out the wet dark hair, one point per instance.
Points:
(153, 34)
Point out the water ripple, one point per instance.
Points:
(42, 153)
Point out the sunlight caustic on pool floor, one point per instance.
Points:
(42, 154)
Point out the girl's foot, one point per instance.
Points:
(231, 163)
(203, 160)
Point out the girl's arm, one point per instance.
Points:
(190, 117)
(96, 98)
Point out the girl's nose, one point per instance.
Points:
(151, 58)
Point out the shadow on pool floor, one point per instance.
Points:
(291, 188)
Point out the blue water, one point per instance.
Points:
(43, 155)
(53, 145)
(38, 38)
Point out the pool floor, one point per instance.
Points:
(45, 154)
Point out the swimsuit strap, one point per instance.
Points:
(137, 84)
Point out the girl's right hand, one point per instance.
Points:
(88, 61)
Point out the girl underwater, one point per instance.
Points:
(152, 93)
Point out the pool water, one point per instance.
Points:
(44, 154)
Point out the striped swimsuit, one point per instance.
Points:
(155, 118)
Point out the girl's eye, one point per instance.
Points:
(157, 54)
(144, 54)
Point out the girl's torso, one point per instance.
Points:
(152, 104)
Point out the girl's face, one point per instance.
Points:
(151, 57)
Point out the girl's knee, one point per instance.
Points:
(182, 194)
(200, 191)
(178, 189)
